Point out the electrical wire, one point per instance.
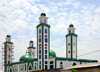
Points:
(89, 53)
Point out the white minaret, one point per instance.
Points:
(31, 49)
(43, 42)
(8, 51)
(71, 43)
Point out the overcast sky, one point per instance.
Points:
(19, 18)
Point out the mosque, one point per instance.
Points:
(46, 58)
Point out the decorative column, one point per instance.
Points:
(71, 43)
(43, 41)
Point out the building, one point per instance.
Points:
(8, 52)
(46, 58)
(89, 67)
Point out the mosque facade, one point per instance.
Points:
(46, 58)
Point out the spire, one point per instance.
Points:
(8, 36)
(71, 25)
(31, 41)
(43, 14)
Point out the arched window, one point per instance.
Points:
(40, 21)
(51, 65)
(16, 69)
(10, 70)
(51, 62)
(69, 31)
(61, 65)
(34, 66)
(8, 62)
(35, 63)
(74, 64)
(45, 21)
(21, 67)
(25, 67)
(32, 45)
(46, 67)
(30, 67)
(72, 31)
(13, 69)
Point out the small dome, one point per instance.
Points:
(7, 35)
(25, 58)
(43, 14)
(52, 54)
(71, 25)
(31, 41)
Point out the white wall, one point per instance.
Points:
(74, 38)
(53, 59)
(38, 46)
(68, 46)
(66, 63)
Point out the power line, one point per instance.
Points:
(89, 53)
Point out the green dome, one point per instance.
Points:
(52, 54)
(31, 41)
(71, 25)
(43, 14)
(8, 36)
(25, 58)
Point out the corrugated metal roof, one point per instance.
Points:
(83, 66)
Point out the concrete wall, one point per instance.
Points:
(66, 63)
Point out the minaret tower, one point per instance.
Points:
(71, 43)
(8, 51)
(43, 42)
(31, 49)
